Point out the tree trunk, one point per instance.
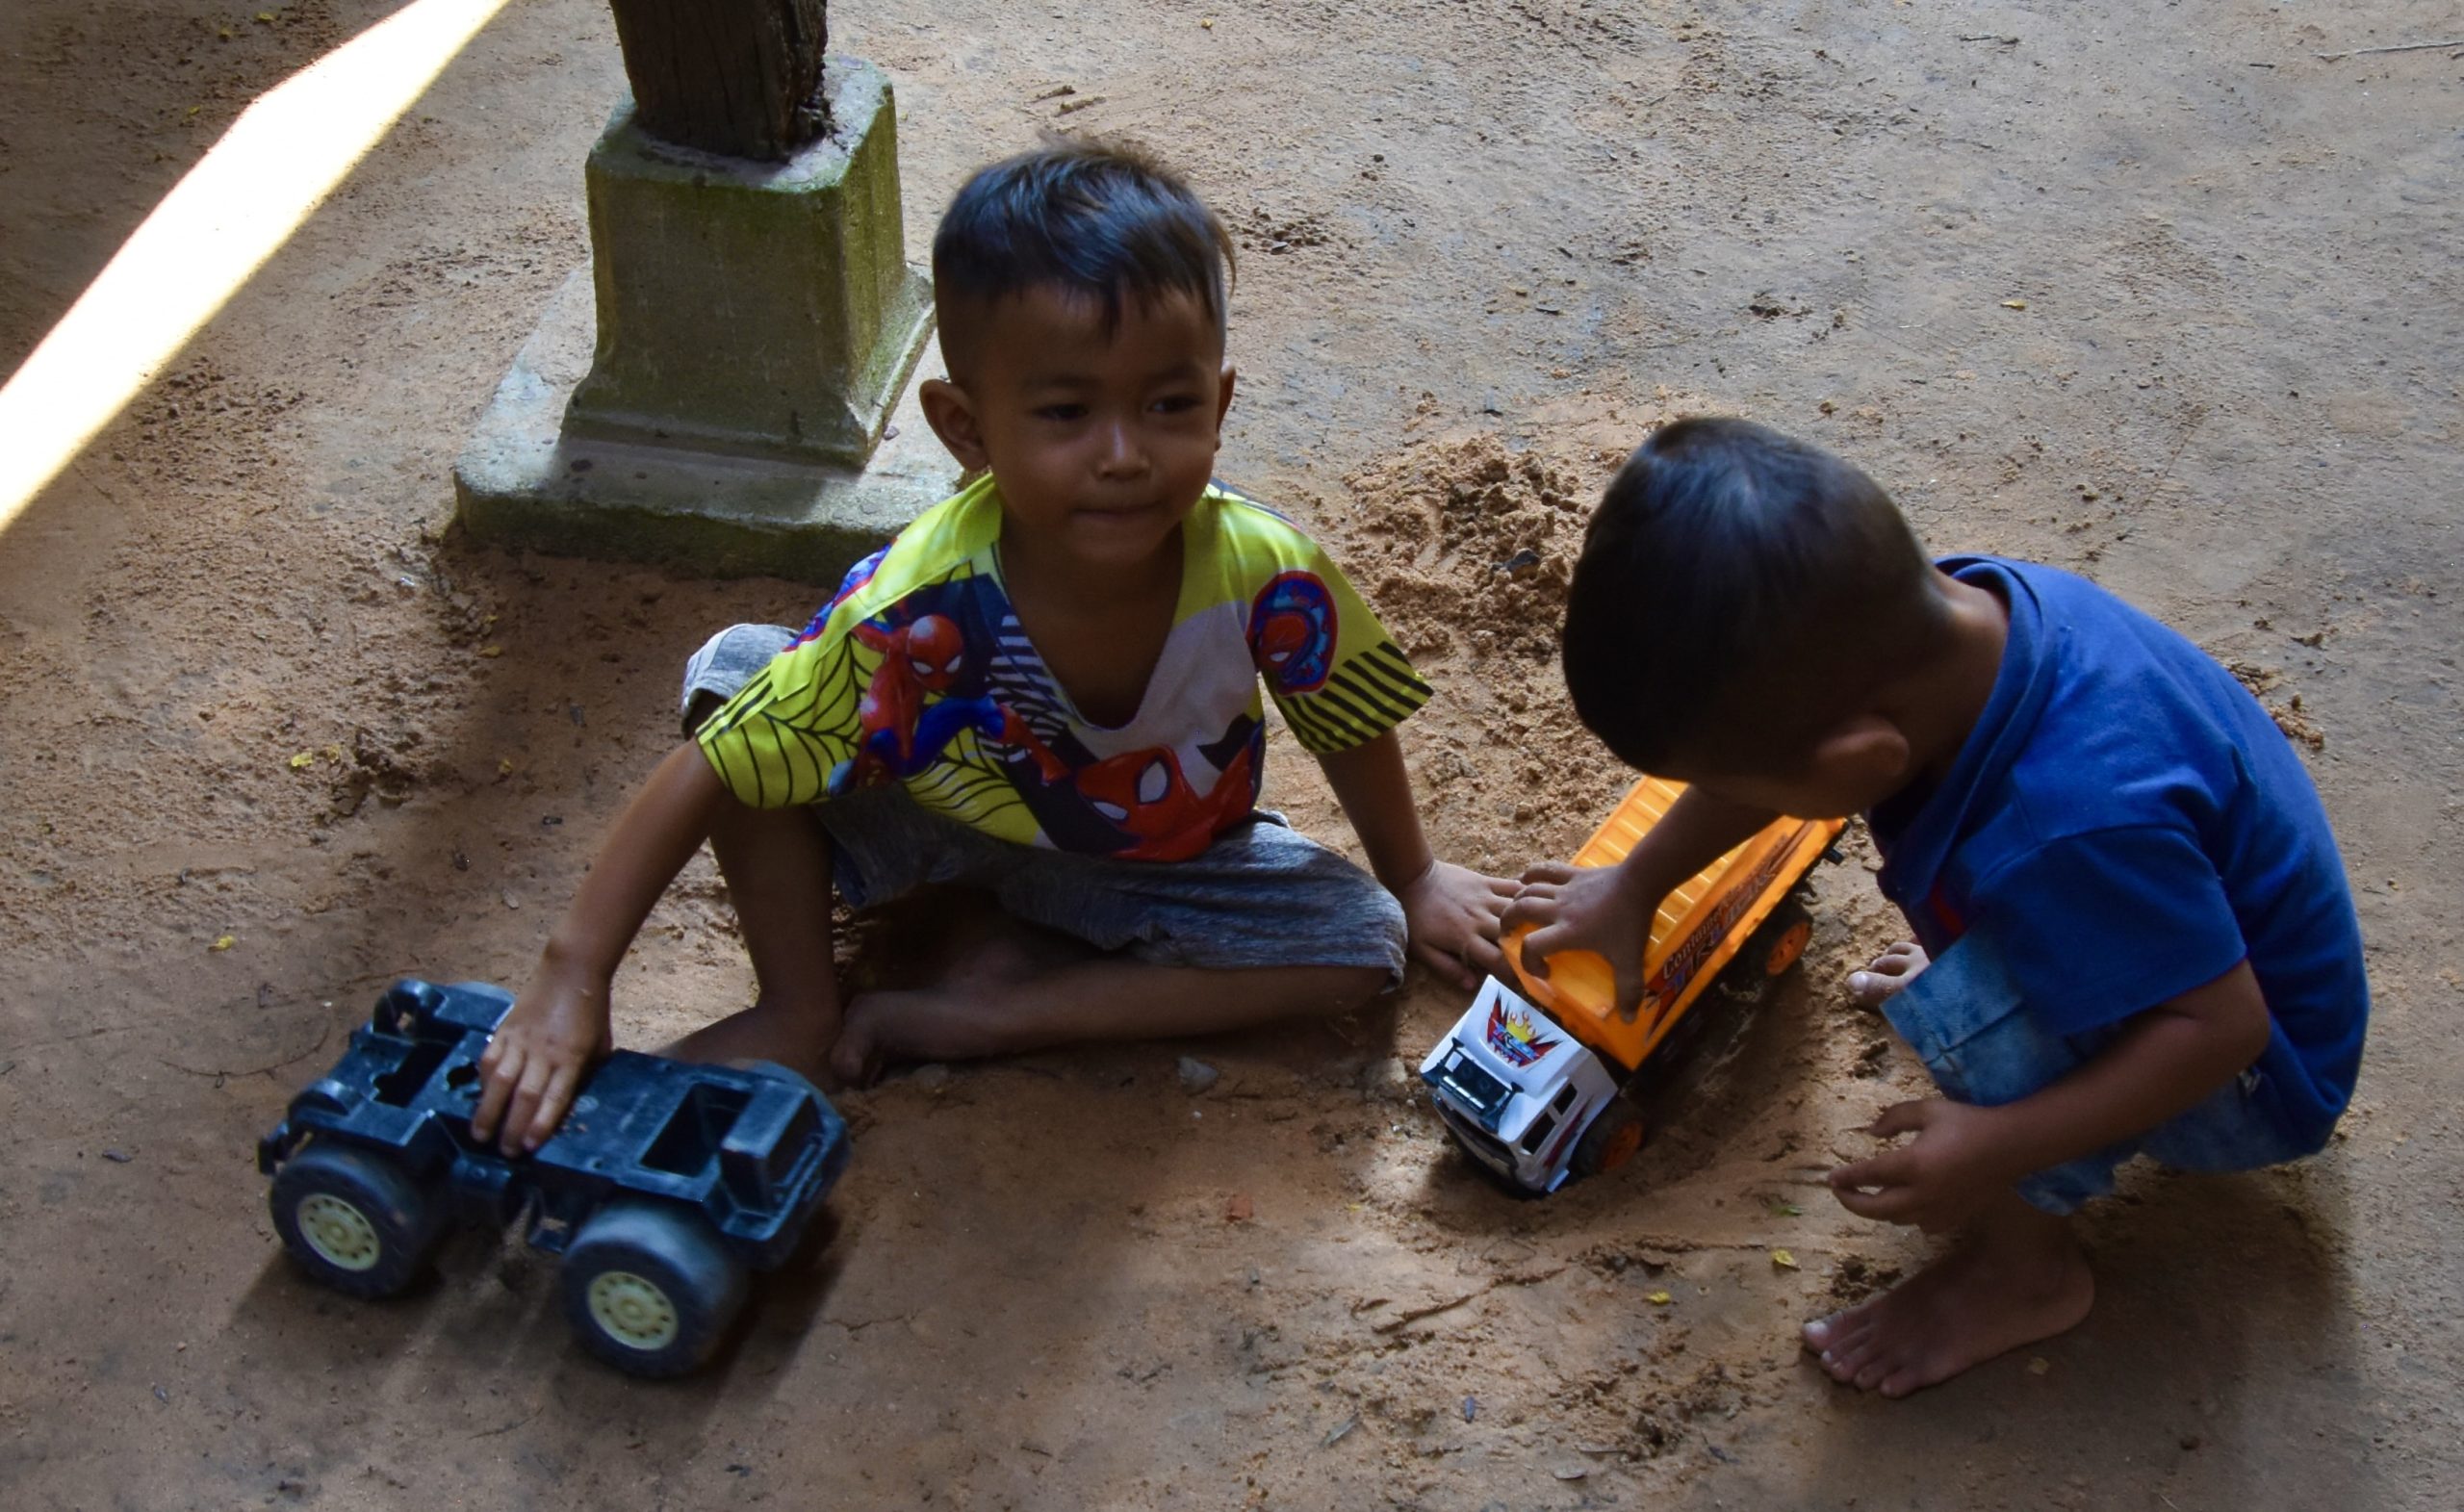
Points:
(739, 77)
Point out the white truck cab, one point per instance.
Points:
(1525, 1097)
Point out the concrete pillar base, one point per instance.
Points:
(764, 308)
(721, 406)
(525, 482)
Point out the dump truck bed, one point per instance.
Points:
(1700, 927)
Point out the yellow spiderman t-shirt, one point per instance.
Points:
(919, 673)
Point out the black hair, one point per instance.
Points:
(1094, 220)
(1737, 593)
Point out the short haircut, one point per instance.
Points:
(1737, 594)
(1094, 220)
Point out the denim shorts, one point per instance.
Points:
(1262, 895)
(1964, 1016)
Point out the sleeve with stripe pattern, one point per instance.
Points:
(1338, 677)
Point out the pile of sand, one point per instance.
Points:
(1463, 544)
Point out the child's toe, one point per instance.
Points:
(1901, 1382)
(1849, 1354)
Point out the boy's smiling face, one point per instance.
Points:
(1101, 440)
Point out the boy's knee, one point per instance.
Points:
(1348, 988)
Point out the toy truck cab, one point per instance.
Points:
(666, 1184)
(1529, 1081)
(1516, 1091)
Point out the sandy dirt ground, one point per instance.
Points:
(2151, 292)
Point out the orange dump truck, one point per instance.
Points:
(1529, 1078)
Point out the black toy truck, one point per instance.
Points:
(667, 1184)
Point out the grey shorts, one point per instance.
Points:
(1262, 895)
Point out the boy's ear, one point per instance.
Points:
(1224, 399)
(952, 417)
(1866, 755)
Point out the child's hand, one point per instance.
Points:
(1585, 908)
(548, 1039)
(1453, 913)
(1938, 1180)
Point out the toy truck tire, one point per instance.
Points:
(354, 1219)
(1780, 942)
(650, 1289)
(1770, 952)
(1615, 1134)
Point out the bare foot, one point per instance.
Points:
(872, 1037)
(796, 1038)
(931, 1023)
(2021, 1279)
(1037, 989)
(1894, 969)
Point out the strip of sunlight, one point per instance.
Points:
(217, 227)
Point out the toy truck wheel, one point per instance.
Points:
(1775, 946)
(354, 1219)
(1780, 942)
(650, 1289)
(1611, 1140)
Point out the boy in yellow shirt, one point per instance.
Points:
(1045, 689)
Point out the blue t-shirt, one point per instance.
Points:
(2126, 823)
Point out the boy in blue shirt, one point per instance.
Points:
(1045, 692)
(2133, 932)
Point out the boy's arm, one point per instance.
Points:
(1609, 910)
(2167, 1060)
(1450, 910)
(559, 1024)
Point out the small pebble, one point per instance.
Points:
(1385, 1074)
(118, 1157)
(1196, 1076)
